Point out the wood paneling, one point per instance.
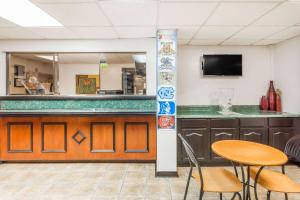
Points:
(105, 138)
(20, 137)
(136, 137)
(54, 137)
(102, 137)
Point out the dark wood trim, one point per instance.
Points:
(9, 124)
(114, 138)
(65, 137)
(165, 173)
(125, 137)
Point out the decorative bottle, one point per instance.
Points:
(278, 101)
(264, 105)
(272, 97)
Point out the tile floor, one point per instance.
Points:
(101, 181)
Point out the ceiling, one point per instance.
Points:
(199, 22)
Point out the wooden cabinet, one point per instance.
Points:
(202, 133)
(223, 129)
(281, 130)
(254, 129)
(78, 138)
(196, 132)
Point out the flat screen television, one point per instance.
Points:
(222, 65)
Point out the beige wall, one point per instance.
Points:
(111, 78)
(30, 66)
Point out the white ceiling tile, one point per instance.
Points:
(233, 41)
(18, 33)
(130, 13)
(184, 14)
(135, 32)
(184, 32)
(62, 1)
(258, 32)
(54, 32)
(205, 42)
(182, 41)
(284, 15)
(77, 14)
(217, 32)
(6, 23)
(95, 32)
(286, 34)
(238, 14)
(266, 42)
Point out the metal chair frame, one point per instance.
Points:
(193, 161)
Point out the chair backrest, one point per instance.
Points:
(189, 151)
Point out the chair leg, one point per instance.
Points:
(201, 195)
(239, 195)
(286, 196)
(187, 184)
(221, 196)
(269, 195)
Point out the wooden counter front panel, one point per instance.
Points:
(78, 138)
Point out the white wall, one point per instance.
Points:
(194, 89)
(2, 73)
(147, 45)
(111, 78)
(287, 73)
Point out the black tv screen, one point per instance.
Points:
(222, 65)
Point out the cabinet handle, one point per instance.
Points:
(197, 134)
(277, 133)
(224, 133)
(252, 133)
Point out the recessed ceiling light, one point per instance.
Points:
(25, 13)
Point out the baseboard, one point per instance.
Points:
(166, 174)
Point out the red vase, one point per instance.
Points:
(264, 103)
(272, 97)
(278, 101)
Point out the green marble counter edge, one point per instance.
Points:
(240, 111)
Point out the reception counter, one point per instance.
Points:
(85, 129)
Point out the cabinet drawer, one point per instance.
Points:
(253, 122)
(281, 122)
(278, 137)
(224, 123)
(194, 123)
(259, 135)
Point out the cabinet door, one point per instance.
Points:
(278, 137)
(218, 134)
(199, 141)
(259, 135)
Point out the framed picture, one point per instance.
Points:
(18, 82)
(19, 70)
(87, 84)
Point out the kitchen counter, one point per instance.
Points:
(237, 112)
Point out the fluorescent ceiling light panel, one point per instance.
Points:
(25, 13)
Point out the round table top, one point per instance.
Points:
(249, 153)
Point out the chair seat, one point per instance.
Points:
(275, 181)
(218, 180)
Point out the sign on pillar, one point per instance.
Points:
(166, 99)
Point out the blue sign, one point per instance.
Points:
(166, 108)
(166, 93)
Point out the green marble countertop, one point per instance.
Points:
(86, 111)
(237, 112)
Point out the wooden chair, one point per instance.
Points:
(212, 179)
(274, 181)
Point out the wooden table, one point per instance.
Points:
(248, 154)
